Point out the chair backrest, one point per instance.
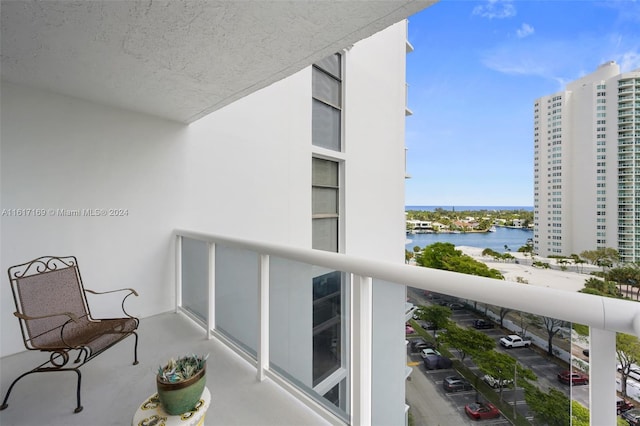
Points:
(47, 286)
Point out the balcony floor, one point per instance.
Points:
(113, 388)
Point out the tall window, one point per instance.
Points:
(327, 103)
(325, 204)
(330, 338)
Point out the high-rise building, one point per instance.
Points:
(587, 165)
(279, 122)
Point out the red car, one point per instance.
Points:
(482, 410)
(623, 405)
(573, 377)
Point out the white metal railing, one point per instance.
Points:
(605, 316)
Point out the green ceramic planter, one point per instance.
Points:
(178, 398)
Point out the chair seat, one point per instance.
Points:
(96, 335)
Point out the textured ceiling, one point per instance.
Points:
(178, 59)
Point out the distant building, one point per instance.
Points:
(585, 141)
(518, 223)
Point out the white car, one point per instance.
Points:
(429, 351)
(634, 371)
(496, 383)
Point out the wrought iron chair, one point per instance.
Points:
(54, 316)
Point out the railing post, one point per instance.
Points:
(361, 350)
(602, 380)
(263, 316)
(211, 316)
(178, 255)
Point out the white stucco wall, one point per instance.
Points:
(62, 153)
(375, 120)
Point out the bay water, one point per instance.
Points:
(513, 238)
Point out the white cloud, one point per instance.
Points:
(525, 30)
(498, 9)
(629, 61)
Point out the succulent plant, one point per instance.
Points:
(181, 369)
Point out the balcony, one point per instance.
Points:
(216, 275)
(112, 388)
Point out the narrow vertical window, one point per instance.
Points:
(327, 103)
(325, 204)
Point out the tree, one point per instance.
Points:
(407, 256)
(552, 408)
(578, 262)
(605, 255)
(436, 255)
(628, 275)
(526, 249)
(552, 326)
(579, 414)
(503, 313)
(563, 263)
(445, 256)
(467, 341)
(525, 319)
(628, 350)
(502, 366)
(436, 315)
(600, 287)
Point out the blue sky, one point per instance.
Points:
(476, 70)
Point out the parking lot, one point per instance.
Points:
(546, 370)
(457, 400)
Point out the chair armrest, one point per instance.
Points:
(131, 291)
(73, 317)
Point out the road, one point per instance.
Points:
(428, 407)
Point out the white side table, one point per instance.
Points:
(150, 413)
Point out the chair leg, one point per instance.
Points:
(79, 407)
(6, 398)
(135, 350)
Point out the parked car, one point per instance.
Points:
(482, 324)
(573, 377)
(436, 362)
(482, 410)
(496, 383)
(514, 341)
(428, 351)
(623, 405)
(456, 384)
(427, 325)
(585, 352)
(634, 371)
(408, 329)
(440, 333)
(456, 306)
(632, 417)
(418, 345)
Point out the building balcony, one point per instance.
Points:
(113, 389)
(238, 301)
